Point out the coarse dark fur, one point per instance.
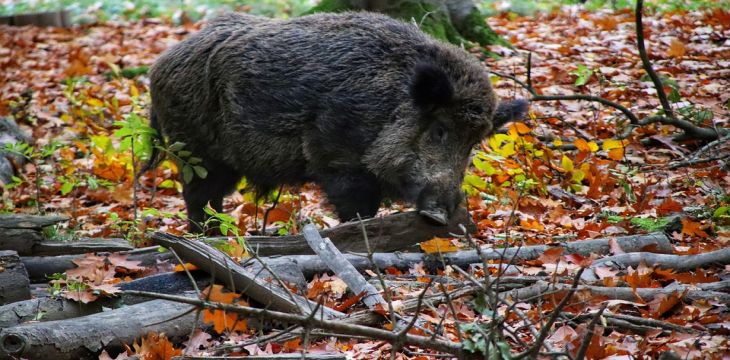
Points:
(363, 105)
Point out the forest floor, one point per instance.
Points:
(561, 174)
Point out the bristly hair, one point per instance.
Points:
(430, 86)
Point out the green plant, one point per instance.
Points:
(583, 75)
(188, 164)
(36, 157)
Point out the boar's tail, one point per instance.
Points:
(158, 140)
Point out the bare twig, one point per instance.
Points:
(589, 333)
(339, 326)
(551, 320)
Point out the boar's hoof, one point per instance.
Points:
(437, 217)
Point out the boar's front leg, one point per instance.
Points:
(219, 182)
(352, 193)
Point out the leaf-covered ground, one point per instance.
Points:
(560, 175)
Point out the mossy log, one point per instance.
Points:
(455, 21)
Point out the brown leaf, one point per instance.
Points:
(676, 49)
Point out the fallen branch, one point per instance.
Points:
(236, 278)
(316, 322)
(14, 283)
(85, 337)
(667, 261)
(386, 233)
(617, 293)
(334, 260)
(310, 265)
(57, 308)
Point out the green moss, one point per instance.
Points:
(333, 6)
(475, 28)
(430, 19)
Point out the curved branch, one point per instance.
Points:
(632, 118)
(647, 65)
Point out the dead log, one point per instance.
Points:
(45, 309)
(386, 233)
(81, 246)
(19, 240)
(55, 308)
(61, 18)
(21, 232)
(39, 267)
(542, 288)
(667, 261)
(290, 356)
(85, 337)
(310, 265)
(25, 221)
(237, 278)
(14, 283)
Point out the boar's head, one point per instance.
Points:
(422, 155)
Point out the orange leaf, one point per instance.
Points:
(350, 301)
(155, 346)
(531, 225)
(551, 255)
(579, 260)
(676, 49)
(189, 266)
(221, 320)
(616, 154)
(519, 128)
(692, 228)
(438, 245)
(663, 303)
(668, 206)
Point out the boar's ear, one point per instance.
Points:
(430, 87)
(509, 111)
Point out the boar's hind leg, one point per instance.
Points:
(219, 182)
(352, 194)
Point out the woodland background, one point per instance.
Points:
(651, 156)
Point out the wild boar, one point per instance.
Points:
(363, 105)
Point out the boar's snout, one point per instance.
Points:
(437, 203)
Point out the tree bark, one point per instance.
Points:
(14, 284)
(455, 21)
(85, 337)
(310, 265)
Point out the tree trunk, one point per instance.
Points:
(455, 21)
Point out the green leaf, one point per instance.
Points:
(475, 181)
(722, 210)
(187, 174)
(177, 146)
(583, 74)
(67, 187)
(167, 184)
(200, 171)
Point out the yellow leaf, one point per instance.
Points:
(611, 144)
(133, 91)
(593, 146)
(578, 176)
(566, 164)
(94, 102)
(557, 142)
(507, 150)
(438, 245)
(502, 145)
